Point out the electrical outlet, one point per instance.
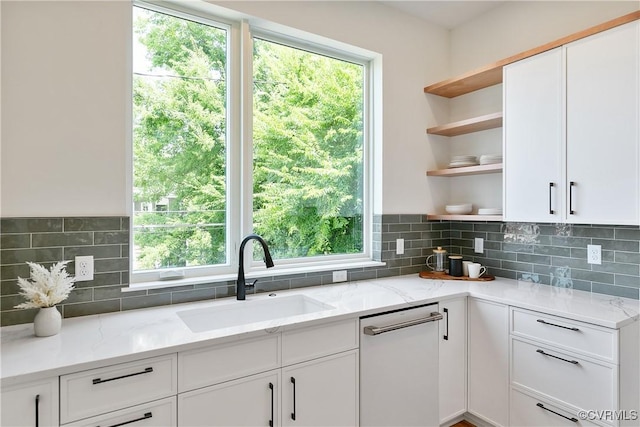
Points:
(340, 276)
(594, 254)
(479, 245)
(84, 268)
(399, 246)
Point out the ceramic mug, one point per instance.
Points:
(465, 267)
(476, 270)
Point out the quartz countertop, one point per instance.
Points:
(92, 341)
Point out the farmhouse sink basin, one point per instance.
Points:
(240, 313)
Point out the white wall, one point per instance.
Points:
(64, 107)
(65, 99)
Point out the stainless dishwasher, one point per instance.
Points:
(399, 367)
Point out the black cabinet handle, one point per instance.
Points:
(37, 410)
(446, 333)
(551, 211)
(571, 185)
(100, 381)
(146, 416)
(271, 420)
(540, 405)
(573, 362)
(557, 326)
(293, 414)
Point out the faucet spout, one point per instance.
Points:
(241, 286)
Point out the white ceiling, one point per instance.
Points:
(448, 14)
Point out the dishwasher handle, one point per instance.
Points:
(375, 330)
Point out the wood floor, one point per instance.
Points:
(463, 424)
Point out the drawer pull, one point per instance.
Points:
(540, 405)
(293, 414)
(37, 410)
(271, 420)
(557, 326)
(146, 416)
(575, 362)
(100, 380)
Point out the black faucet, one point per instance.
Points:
(241, 286)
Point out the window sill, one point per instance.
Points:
(255, 274)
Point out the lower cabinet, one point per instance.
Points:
(488, 361)
(30, 404)
(158, 413)
(321, 392)
(452, 387)
(315, 382)
(250, 401)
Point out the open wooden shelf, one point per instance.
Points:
(491, 74)
(476, 124)
(467, 170)
(447, 217)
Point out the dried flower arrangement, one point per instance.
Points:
(46, 287)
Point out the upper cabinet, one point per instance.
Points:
(572, 132)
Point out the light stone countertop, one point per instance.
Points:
(92, 341)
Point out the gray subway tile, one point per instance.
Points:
(362, 275)
(193, 295)
(80, 295)
(92, 224)
(618, 245)
(30, 225)
(15, 241)
(225, 291)
(146, 301)
(612, 267)
(40, 255)
(411, 218)
(17, 317)
(112, 264)
(387, 272)
(103, 251)
(570, 262)
(627, 233)
(88, 308)
(601, 233)
(518, 266)
(274, 285)
(315, 280)
(43, 240)
(8, 302)
(627, 257)
(576, 242)
(390, 219)
(170, 289)
(629, 281)
(508, 274)
(9, 287)
(396, 228)
(511, 256)
(593, 276)
(125, 223)
(111, 237)
(554, 251)
(423, 226)
(619, 291)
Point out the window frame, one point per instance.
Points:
(239, 205)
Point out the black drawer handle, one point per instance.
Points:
(293, 414)
(37, 410)
(271, 420)
(146, 416)
(557, 326)
(446, 334)
(574, 362)
(540, 405)
(100, 380)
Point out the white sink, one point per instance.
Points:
(240, 313)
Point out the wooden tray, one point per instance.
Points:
(440, 276)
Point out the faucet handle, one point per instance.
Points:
(252, 285)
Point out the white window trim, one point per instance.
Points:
(241, 29)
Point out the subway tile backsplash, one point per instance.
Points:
(543, 253)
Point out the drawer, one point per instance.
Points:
(588, 339)
(528, 411)
(215, 364)
(299, 345)
(158, 413)
(583, 384)
(97, 391)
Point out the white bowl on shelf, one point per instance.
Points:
(462, 209)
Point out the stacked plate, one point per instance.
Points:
(490, 211)
(488, 159)
(461, 161)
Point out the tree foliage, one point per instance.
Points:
(307, 148)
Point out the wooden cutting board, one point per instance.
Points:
(440, 276)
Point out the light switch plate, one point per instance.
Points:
(479, 245)
(340, 276)
(399, 246)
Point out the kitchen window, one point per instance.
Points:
(212, 164)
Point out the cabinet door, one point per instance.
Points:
(250, 401)
(533, 139)
(488, 361)
(30, 404)
(453, 359)
(322, 392)
(603, 126)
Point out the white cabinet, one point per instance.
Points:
(562, 369)
(249, 401)
(311, 372)
(452, 386)
(98, 391)
(488, 361)
(572, 132)
(152, 414)
(321, 392)
(30, 404)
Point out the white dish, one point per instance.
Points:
(462, 164)
(464, 159)
(462, 209)
(489, 211)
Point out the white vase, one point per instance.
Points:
(47, 322)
